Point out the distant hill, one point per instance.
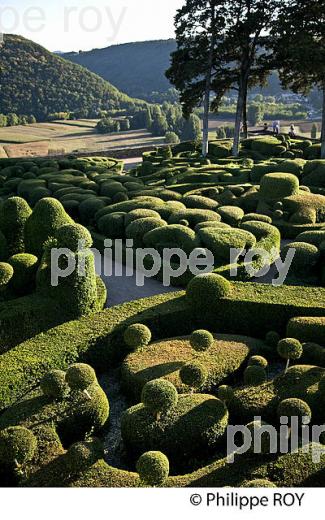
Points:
(135, 68)
(36, 81)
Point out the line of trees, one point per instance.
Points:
(14, 120)
(227, 45)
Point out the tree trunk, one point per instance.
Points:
(205, 137)
(205, 140)
(323, 126)
(245, 126)
(239, 115)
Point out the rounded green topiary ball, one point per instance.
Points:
(25, 268)
(259, 483)
(290, 348)
(6, 273)
(137, 336)
(260, 437)
(153, 468)
(225, 393)
(73, 237)
(272, 338)
(293, 407)
(201, 340)
(54, 384)
(204, 291)
(193, 375)
(81, 455)
(159, 396)
(258, 361)
(79, 376)
(17, 445)
(254, 375)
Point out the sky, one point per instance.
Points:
(70, 25)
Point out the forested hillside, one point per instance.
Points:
(35, 81)
(136, 68)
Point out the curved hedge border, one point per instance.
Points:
(250, 309)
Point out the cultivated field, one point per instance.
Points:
(61, 137)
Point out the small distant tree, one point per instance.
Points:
(313, 132)
(31, 119)
(3, 120)
(12, 119)
(107, 126)
(221, 133)
(125, 125)
(171, 138)
(255, 113)
(192, 128)
(23, 120)
(159, 125)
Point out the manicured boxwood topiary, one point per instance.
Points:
(193, 426)
(153, 468)
(225, 393)
(193, 375)
(259, 483)
(6, 274)
(173, 236)
(231, 215)
(254, 375)
(25, 267)
(54, 384)
(73, 237)
(138, 228)
(81, 455)
(201, 340)
(140, 214)
(293, 407)
(258, 361)
(112, 225)
(79, 376)
(276, 186)
(205, 290)
(137, 336)
(272, 338)
(159, 396)
(305, 258)
(3, 247)
(47, 217)
(289, 348)
(256, 217)
(14, 213)
(221, 241)
(17, 446)
(88, 209)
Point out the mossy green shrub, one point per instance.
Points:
(170, 207)
(112, 225)
(130, 205)
(138, 228)
(17, 446)
(212, 224)
(231, 215)
(76, 416)
(137, 336)
(47, 217)
(225, 393)
(201, 340)
(82, 455)
(220, 149)
(171, 236)
(293, 407)
(73, 237)
(272, 338)
(314, 173)
(304, 260)
(140, 214)
(276, 186)
(54, 384)
(259, 483)
(199, 202)
(25, 268)
(88, 209)
(259, 361)
(306, 328)
(290, 349)
(6, 274)
(254, 375)
(193, 375)
(194, 425)
(14, 212)
(224, 359)
(153, 468)
(159, 396)
(205, 290)
(221, 241)
(80, 376)
(256, 217)
(314, 238)
(194, 216)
